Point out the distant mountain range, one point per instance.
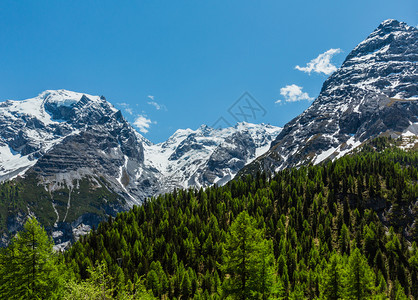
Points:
(71, 159)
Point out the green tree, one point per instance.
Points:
(100, 286)
(153, 282)
(247, 261)
(186, 286)
(266, 272)
(359, 277)
(30, 267)
(332, 285)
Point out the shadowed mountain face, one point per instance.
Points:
(374, 92)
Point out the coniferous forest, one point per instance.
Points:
(345, 229)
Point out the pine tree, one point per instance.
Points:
(31, 269)
(266, 272)
(359, 277)
(332, 285)
(186, 286)
(247, 261)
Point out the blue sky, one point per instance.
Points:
(180, 64)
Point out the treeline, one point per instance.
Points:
(341, 229)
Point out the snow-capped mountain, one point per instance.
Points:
(76, 159)
(374, 92)
(64, 136)
(208, 156)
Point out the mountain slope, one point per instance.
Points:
(78, 159)
(374, 92)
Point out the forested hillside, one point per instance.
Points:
(343, 229)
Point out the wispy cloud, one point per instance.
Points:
(293, 93)
(126, 108)
(321, 64)
(155, 104)
(143, 123)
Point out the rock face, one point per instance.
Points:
(374, 92)
(75, 160)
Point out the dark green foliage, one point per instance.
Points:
(29, 269)
(248, 261)
(332, 280)
(359, 278)
(316, 220)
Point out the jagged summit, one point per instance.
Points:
(391, 37)
(65, 97)
(385, 62)
(32, 127)
(391, 24)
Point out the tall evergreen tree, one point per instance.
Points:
(30, 268)
(332, 285)
(247, 261)
(360, 277)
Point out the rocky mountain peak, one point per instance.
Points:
(207, 156)
(392, 25)
(391, 37)
(375, 91)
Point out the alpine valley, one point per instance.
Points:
(71, 159)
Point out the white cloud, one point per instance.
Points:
(293, 93)
(143, 123)
(321, 64)
(126, 107)
(155, 104)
